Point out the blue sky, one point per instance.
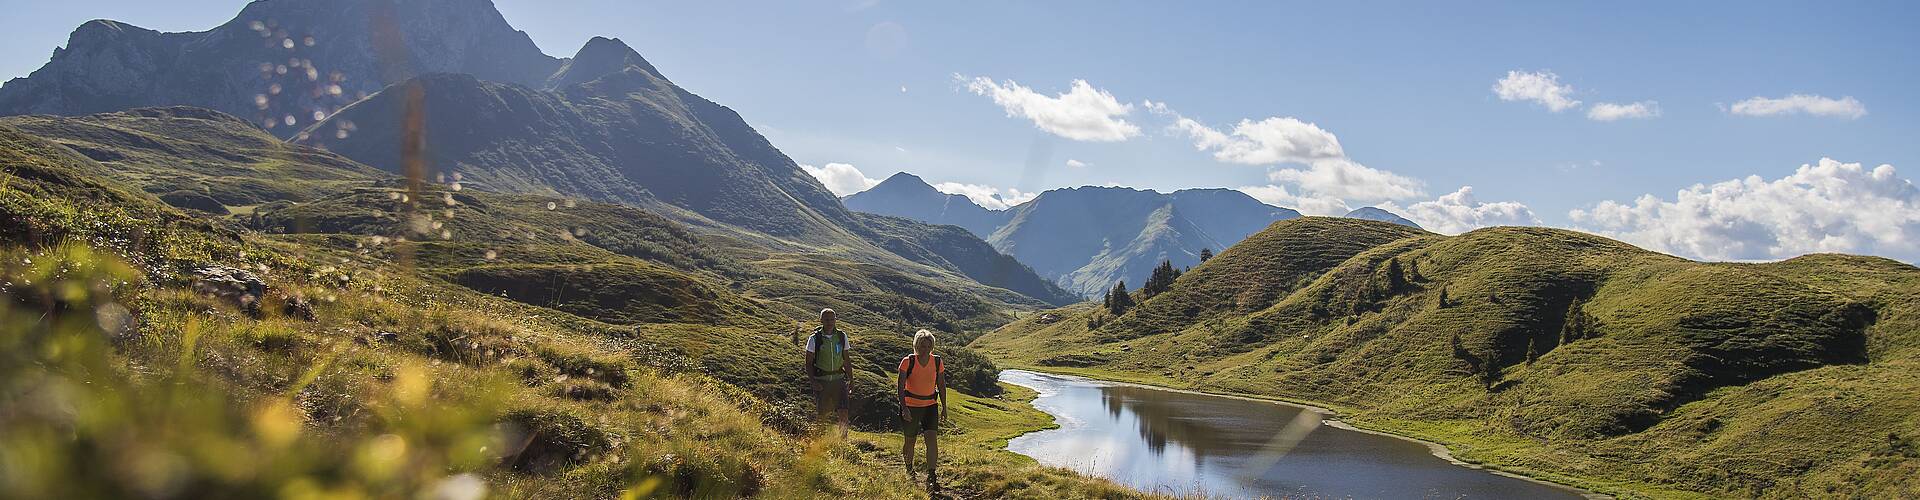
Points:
(1407, 89)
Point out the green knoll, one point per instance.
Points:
(1543, 351)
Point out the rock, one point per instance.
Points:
(239, 286)
(297, 307)
(389, 336)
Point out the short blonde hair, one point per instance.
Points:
(923, 336)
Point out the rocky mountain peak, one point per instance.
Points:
(601, 56)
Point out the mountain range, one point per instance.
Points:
(279, 62)
(450, 84)
(1088, 238)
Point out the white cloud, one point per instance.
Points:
(1825, 207)
(1459, 212)
(1844, 107)
(840, 178)
(986, 196)
(1279, 196)
(1346, 179)
(1083, 113)
(1324, 187)
(1265, 142)
(1607, 111)
(1077, 163)
(1541, 87)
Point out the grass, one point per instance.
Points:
(1556, 354)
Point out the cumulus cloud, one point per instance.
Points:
(1607, 111)
(1325, 179)
(1844, 107)
(1542, 87)
(1346, 179)
(1083, 113)
(1459, 212)
(1824, 207)
(990, 197)
(1265, 142)
(840, 178)
(1077, 163)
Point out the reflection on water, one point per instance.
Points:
(1175, 442)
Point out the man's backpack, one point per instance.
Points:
(829, 353)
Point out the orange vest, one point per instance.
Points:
(921, 390)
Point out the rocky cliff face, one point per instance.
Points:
(280, 63)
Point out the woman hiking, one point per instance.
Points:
(923, 394)
(829, 370)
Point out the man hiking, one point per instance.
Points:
(829, 370)
(923, 393)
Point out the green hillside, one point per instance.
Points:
(199, 159)
(1544, 351)
(362, 366)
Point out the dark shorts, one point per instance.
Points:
(921, 420)
(832, 397)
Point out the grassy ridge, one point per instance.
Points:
(1553, 352)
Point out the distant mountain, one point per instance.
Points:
(279, 61)
(906, 195)
(1086, 239)
(1371, 213)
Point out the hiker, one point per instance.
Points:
(829, 370)
(923, 393)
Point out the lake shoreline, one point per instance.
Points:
(1331, 418)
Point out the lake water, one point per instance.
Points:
(1180, 443)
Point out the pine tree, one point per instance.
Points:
(1122, 300)
(1396, 277)
(1443, 297)
(1161, 280)
(1577, 326)
(1206, 254)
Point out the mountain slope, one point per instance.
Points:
(957, 249)
(1544, 350)
(1371, 213)
(909, 196)
(260, 64)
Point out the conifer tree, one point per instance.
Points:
(1161, 280)
(1121, 299)
(1206, 254)
(1396, 277)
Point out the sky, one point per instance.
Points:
(1714, 130)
